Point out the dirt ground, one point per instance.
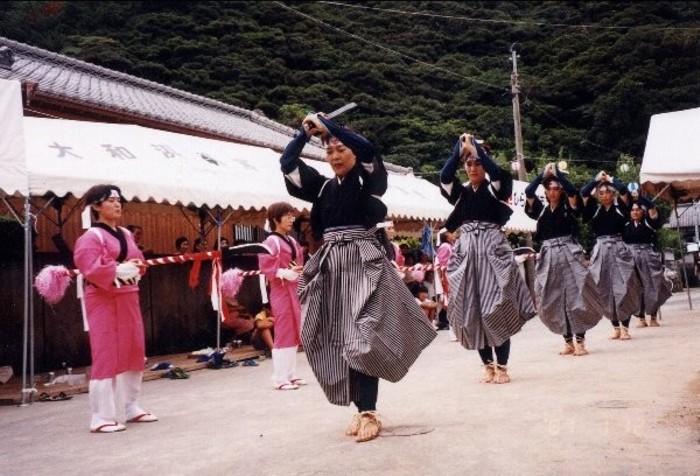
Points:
(626, 408)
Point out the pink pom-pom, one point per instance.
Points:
(418, 275)
(231, 281)
(51, 283)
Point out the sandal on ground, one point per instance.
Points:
(286, 386)
(143, 418)
(223, 364)
(161, 366)
(250, 363)
(176, 373)
(299, 381)
(111, 427)
(45, 397)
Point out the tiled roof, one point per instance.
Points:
(67, 78)
(688, 216)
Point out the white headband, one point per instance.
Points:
(385, 224)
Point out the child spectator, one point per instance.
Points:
(428, 306)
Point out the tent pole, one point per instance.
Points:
(219, 311)
(680, 244)
(28, 330)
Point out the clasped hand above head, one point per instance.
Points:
(602, 176)
(312, 125)
(550, 170)
(468, 147)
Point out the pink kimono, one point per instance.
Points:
(117, 341)
(283, 293)
(443, 254)
(398, 255)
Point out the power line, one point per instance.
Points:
(392, 51)
(510, 22)
(439, 68)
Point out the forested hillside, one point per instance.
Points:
(591, 73)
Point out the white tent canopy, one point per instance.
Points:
(64, 156)
(671, 161)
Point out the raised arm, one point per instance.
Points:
(448, 188)
(302, 181)
(570, 189)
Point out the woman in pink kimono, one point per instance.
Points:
(111, 264)
(282, 268)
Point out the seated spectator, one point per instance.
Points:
(137, 232)
(263, 331)
(224, 243)
(410, 275)
(239, 321)
(428, 306)
(429, 283)
(200, 245)
(182, 245)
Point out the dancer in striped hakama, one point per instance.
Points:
(640, 235)
(612, 262)
(566, 293)
(489, 301)
(360, 322)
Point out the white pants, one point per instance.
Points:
(284, 365)
(109, 394)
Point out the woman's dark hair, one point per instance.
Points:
(98, 194)
(276, 211)
(179, 241)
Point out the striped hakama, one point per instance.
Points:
(613, 270)
(565, 289)
(489, 301)
(357, 313)
(657, 289)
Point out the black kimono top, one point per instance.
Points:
(486, 203)
(553, 223)
(641, 232)
(606, 222)
(350, 201)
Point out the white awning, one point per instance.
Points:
(64, 156)
(671, 161)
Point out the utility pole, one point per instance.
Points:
(522, 173)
